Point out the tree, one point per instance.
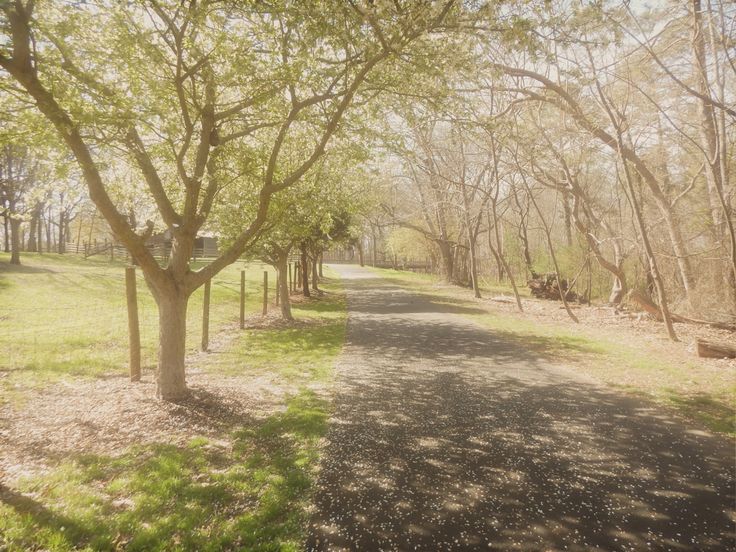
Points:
(423, 199)
(292, 78)
(17, 178)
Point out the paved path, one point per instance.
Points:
(447, 437)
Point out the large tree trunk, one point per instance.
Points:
(172, 318)
(283, 289)
(32, 231)
(361, 253)
(712, 349)
(716, 172)
(39, 239)
(49, 239)
(15, 240)
(448, 260)
(304, 270)
(618, 291)
(6, 234)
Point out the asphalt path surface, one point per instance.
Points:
(446, 436)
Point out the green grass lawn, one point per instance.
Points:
(246, 488)
(294, 353)
(680, 384)
(250, 495)
(61, 315)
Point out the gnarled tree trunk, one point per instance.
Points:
(448, 259)
(172, 318)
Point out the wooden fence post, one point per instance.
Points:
(133, 327)
(206, 315)
(265, 292)
(242, 299)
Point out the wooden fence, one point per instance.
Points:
(114, 251)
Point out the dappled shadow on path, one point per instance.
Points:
(450, 437)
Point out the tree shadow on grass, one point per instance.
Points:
(7, 268)
(33, 512)
(243, 489)
(327, 302)
(285, 352)
(717, 412)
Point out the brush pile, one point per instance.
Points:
(545, 286)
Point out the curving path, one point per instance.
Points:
(447, 437)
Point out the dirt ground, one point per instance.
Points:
(107, 415)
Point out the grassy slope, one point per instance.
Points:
(633, 368)
(63, 316)
(246, 489)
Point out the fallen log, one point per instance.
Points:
(641, 301)
(712, 349)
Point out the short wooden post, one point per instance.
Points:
(206, 315)
(242, 299)
(265, 292)
(133, 327)
(278, 278)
